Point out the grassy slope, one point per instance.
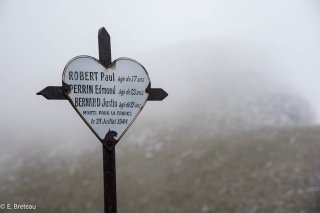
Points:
(265, 170)
(260, 171)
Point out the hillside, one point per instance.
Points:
(267, 170)
(264, 170)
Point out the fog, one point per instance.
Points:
(225, 65)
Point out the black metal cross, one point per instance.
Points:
(109, 143)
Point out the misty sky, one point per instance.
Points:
(39, 37)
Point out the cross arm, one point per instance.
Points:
(57, 93)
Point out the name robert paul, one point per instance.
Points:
(90, 76)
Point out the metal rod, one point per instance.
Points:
(104, 47)
(109, 157)
(109, 175)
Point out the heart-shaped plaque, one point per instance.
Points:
(107, 99)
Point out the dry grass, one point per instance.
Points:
(266, 170)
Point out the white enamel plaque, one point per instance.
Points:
(107, 99)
